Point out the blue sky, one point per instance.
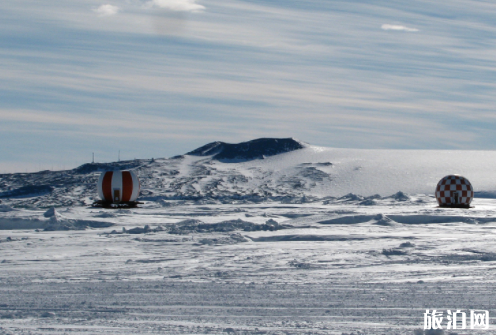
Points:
(157, 78)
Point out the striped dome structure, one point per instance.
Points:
(118, 187)
(454, 191)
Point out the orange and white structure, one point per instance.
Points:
(454, 191)
(118, 187)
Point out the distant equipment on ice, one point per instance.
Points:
(118, 189)
(454, 191)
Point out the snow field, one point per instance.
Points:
(312, 241)
(323, 269)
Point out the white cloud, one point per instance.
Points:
(397, 27)
(106, 10)
(176, 5)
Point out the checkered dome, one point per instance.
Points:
(454, 190)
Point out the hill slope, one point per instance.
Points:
(245, 151)
(308, 172)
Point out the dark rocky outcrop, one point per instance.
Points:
(244, 151)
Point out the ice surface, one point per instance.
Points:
(312, 241)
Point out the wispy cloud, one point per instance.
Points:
(397, 27)
(240, 70)
(106, 10)
(176, 5)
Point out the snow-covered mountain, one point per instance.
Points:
(276, 169)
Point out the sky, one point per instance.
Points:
(158, 78)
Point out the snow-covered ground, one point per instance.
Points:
(325, 257)
(308, 174)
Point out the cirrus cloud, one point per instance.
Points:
(397, 27)
(106, 10)
(176, 5)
